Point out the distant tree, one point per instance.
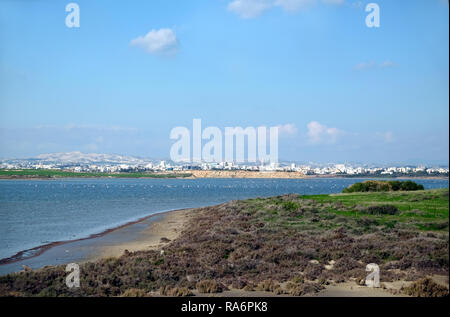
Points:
(383, 186)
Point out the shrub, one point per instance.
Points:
(175, 291)
(426, 288)
(248, 288)
(395, 185)
(299, 289)
(383, 186)
(296, 291)
(209, 286)
(291, 206)
(134, 292)
(164, 240)
(180, 292)
(410, 185)
(279, 291)
(382, 210)
(267, 286)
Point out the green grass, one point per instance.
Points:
(45, 173)
(434, 202)
(426, 210)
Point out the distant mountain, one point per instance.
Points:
(89, 158)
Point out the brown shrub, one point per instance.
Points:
(267, 286)
(209, 286)
(175, 291)
(134, 292)
(248, 288)
(313, 271)
(279, 291)
(426, 287)
(238, 283)
(303, 288)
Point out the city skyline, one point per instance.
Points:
(338, 90)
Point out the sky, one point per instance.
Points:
(338, 90)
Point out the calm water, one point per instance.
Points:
(37, 212)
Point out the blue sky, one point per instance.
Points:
(132, 71)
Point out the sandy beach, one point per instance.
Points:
(158, 233)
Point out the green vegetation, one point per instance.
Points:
(289, 244)
(420, 210)
(383, 186)
(424, 210)
(45, 173)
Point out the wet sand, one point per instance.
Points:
(154, 236)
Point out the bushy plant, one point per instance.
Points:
(382, 210)
(426, 288)
(209, 286)
(291, 206)
(383, 186)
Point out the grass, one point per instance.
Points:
(421, 206)
(426, 210)
(46, 173)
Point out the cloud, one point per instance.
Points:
(287, 129)
(294, 5)
(88, 127)
(335, 2)
(248, 9)
(387, 64)
(319, 133)
(161, 42)
(364, 66)
(387, 137)
(356, 5)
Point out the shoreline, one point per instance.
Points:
(39, 250)
(231, 177)
(154, 236)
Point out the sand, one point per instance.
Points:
(169, 226)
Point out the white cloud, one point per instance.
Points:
(319, 133)
(88, 127)
(387, 137)
(294, 5)
(287, 129)
(387, 64)
(364, 66)
(247, 9)
(335, 2)
(356, 5)
(162, 41)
